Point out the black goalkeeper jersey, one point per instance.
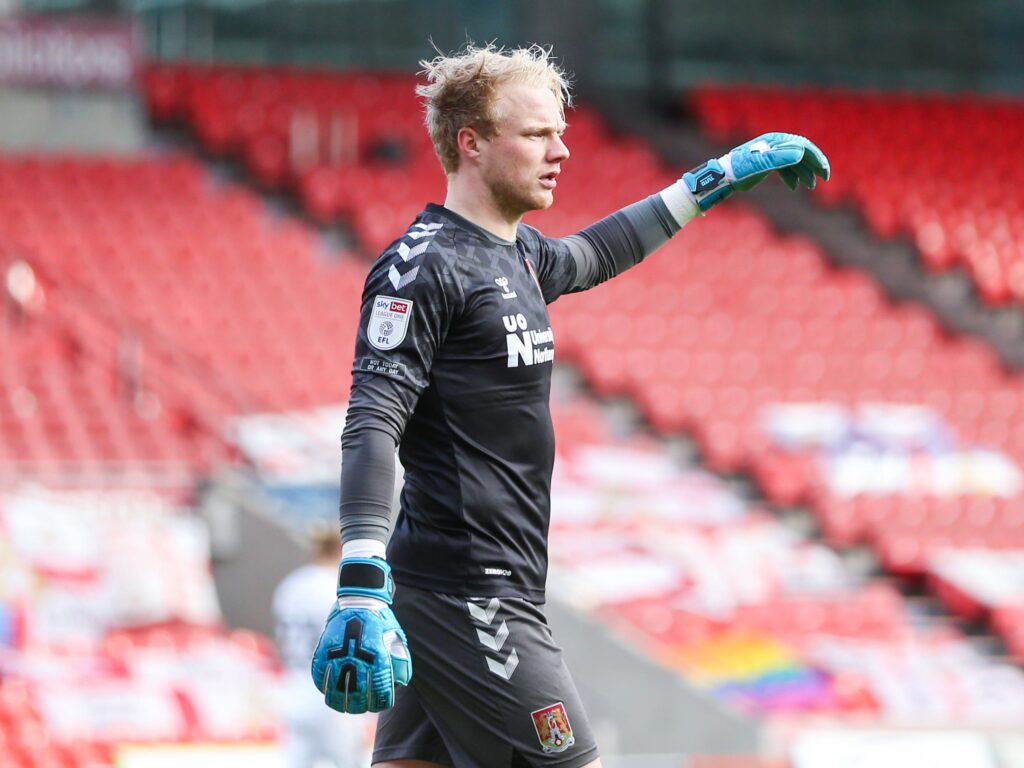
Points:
(456, 321)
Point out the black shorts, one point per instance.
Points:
(489, 688)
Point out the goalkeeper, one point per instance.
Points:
(440, 624)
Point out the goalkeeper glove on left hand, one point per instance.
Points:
(795, 159)
(363, 652)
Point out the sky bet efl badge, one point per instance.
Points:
(553, 729)
(389, 320)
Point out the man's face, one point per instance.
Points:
(520, 163)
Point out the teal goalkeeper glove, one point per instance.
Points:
(795, 159)
(362, 653)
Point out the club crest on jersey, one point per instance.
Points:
(553, 729)
(389, 321)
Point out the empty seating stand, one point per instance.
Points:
(236, 310)
(940, 170)
(159, 280)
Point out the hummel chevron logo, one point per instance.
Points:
(398, 279)
(406, 253)
(494, 643)
(484, 615)
(504, 670)
(425, 230)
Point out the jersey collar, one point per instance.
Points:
(440, 210)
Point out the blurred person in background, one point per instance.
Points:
(315, 735)
(453, 364)
(23, 294)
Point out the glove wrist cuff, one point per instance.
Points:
(708, 184)
(360, 601)
(366, 577)
(363, 548)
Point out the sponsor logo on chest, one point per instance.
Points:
(527, 346)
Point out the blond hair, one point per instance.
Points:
(323, 540)
(461, 90)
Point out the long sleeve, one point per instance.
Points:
(612, 245)
(408, 302)
(372, 431)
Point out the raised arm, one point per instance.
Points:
(617, 242)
